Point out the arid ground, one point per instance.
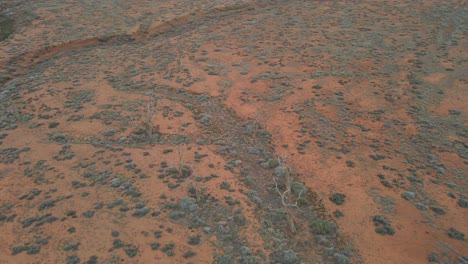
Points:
(233, 131)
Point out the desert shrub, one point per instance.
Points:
(188, 254)
(116, 182)
(109, 132)
(59, 138)
(340, 258)
(157, 234)
(253, 196)
(19, 249)
(47, 219)
(284, 257)
(278, 215)
(303, 202)
(53, 124)
(71, 246)
(383, 226)
(432, 257)
(185, 171)
(88, 214)
(194, 240)
(463, 202)
(7, 27)
(187, 204)
(98, 205)
(280, 171)
(168, 247)
(41, 241)
(46, 204)
(385, 230)
(131, 251)
(350, 163)
(132, 192)
(73, 259)
(140, 212)
(337, 213)
(408, 195)
(249, 181)
(454, 233)
(377, 156)
(117, 243)
(30, 220)
(174, 215)
(239, 218)
(222, 259)
(437, 210)
(273, 163)
(230, 201)
(155, 245)
(338, 198)
(225, 185)
(246, 256)
(124, 208)
(322, 240)
(114, 203)
(155, 213)
(91, 260)
(322, 227)
(420, 206)
(298, 188)
(40, 220)
(115, 233)
(191, 189)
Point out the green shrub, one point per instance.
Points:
(383, 226)
(140, 212)
(454, 233)
(289, 257)
(462, 202)
(155, 245)
(225, 185)
(187, 204)
(19, 249)
(338, 198)
(6, 27)
(337, 213)
(158, 233)
(340, 258)
(194, 240)
(432, 257)
(437, 210)
(302, 202)
(71, 246)
(117, 243)
(46, 204)
(168, 247)
(222, 259)
(91, 260)
(189, 254)
(298, 188)
(115, 233)
(322, 227)
(131, 251)
(238, 217)
(73, 259)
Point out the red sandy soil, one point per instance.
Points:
(187, 111)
